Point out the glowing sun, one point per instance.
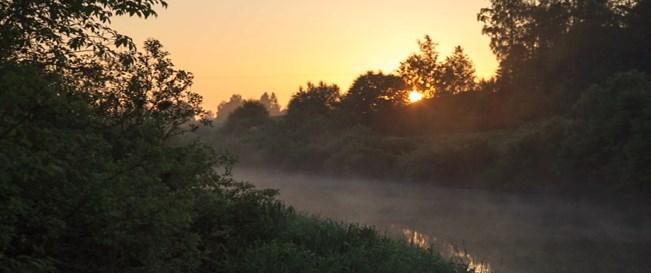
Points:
(415, 96)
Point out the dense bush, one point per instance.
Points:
(612, 131)
(246, 117)
(83, 195)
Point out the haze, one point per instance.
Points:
(249, 47)
(503, 232)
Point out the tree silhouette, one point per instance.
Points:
(424, 72)
(312, 101)
(246, 117)
(271, 103)
(535, 40)
(421, 70)
(372, 95)
(506, 23)
(225, 108)
(457, 73)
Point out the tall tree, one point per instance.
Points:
(271, 103)
(248, 116)
(373, 94)
(421, 70)
(508, 24)
(552, 33)
(313, 101)
(424, 72)
(457, 73)
(225, 108)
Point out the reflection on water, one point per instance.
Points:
(416, 238)
(504, 233)
(448, 250)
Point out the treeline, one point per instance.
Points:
(569, 108)
(96, 174)
(225, 108)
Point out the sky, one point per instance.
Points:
(249, 47)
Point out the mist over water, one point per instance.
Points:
(505, 232)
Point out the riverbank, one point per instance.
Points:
(511, 232)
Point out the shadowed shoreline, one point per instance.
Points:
(511, 232)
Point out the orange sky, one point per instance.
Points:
(251, 46)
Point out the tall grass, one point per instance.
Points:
(302, 243)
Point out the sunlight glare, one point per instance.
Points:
(415, 96)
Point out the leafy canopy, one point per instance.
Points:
(424, 72)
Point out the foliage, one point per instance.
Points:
(457, 73)
(271, 103)
(77, 185)
(247, 117)
(372, 96)
(612, 131)
(312, 101)
(313, 245)
(602, 146)
(423, 71)
(225, 108)
(535, 41)
(55, 32)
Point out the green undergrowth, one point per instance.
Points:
(308, 244)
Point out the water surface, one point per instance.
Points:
(502, 232)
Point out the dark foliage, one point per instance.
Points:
(313, 101)
(247, 117)
(225, 108)
(372, 97)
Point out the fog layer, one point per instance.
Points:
(509, 232)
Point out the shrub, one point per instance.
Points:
(610, 140)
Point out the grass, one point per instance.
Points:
(308, 244)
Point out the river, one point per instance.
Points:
(496, 232)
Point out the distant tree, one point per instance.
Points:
(424, 72)
(271, 103)
(225, 108)
(312, 101)
(421, 70)
(249, 115)
(373, 94)
(457, 73)
(210, 115)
